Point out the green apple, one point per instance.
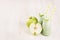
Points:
(31, 20)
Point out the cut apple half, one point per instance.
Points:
(35, 28)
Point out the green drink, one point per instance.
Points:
(45, 23)
(46, 26)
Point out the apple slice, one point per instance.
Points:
(35, 29)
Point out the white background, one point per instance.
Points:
(13, 14)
